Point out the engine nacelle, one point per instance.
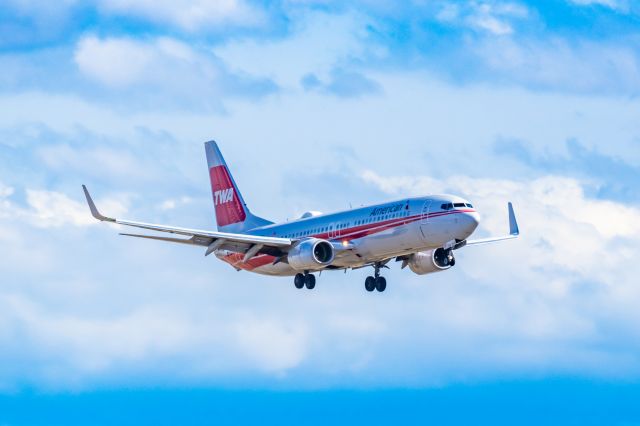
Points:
(428, 262)
(313, 253)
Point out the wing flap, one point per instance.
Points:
(191, 241)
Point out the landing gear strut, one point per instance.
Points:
(376, 282)
(305, 280)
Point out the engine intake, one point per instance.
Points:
(428, 262)
(312, 253)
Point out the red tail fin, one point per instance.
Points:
(232, 214)
(229, 208)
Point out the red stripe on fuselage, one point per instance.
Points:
(373, 228)
(347, 234)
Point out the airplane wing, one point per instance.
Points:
(514, 232)
(243, 243)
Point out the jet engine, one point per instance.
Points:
(427, 262)
(312, 253)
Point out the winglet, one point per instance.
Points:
(94, 211)
(513, 225)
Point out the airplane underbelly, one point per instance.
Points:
(280, 269)
(261, 264)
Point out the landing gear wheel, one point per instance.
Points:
(370, 283)
(381, 284)
(310, 281)
(298, 280)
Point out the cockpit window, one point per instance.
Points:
(446, 206)
(469, 205)
(458, 205)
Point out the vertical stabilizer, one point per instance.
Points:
(232, 214)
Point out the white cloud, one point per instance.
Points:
(271, 345)
(126, 61)
(93, 344)
(318, 42)
(51, 209)
(190, 15)
(5, 191)
(116, 62)
(171, 203)
(492, 24)
(492, 17)
(163, 71)
(555, 63)
(621, 5)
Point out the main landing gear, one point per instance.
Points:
(305, 280)
(376, 282)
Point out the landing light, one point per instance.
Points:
(345, 243)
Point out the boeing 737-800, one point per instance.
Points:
(420, 232)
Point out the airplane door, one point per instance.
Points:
(333, 230)
(424, 218)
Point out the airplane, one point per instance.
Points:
(420, 232)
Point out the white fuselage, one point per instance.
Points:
(372, 233)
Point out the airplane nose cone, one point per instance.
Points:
(471, 222)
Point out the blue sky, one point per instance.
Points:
(318, 105)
